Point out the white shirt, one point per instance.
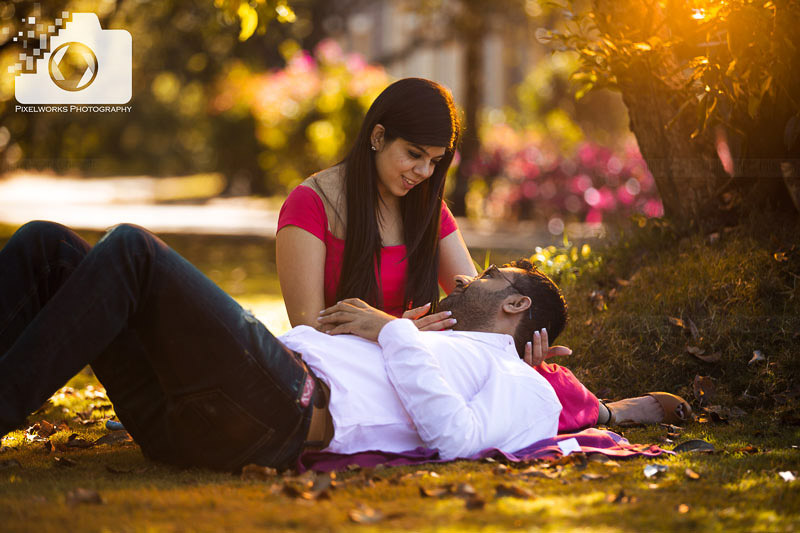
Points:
(457, 391)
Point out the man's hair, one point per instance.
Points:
(548, 306)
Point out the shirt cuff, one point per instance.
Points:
(400, 328)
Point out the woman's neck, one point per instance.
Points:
(389, 203)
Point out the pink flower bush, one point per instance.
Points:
(530, 178)
(304, 113)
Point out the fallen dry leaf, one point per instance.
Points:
(749, 449)
(592, 477)
(695, 350)
(79, 495)
(676, 322)
(464, 490)
(114, 437)
(293, 491)
(75, 441)
(365, 515)
(258, 473)
(620, 497)
(438, 492)
(474, 503)
(500, 470)
(691, 474)
(44, 428)
(598, 300)
(64, 461)
(512, 491)
(704, 389)
(309, 486)
(322, 485)
(577, 458)
(532, 472)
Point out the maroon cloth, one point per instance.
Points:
(579, 407)
(590, 440)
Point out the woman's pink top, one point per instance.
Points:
(304, 208)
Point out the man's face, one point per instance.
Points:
(474, 301)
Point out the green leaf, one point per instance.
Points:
(580, 93)
(249, 18)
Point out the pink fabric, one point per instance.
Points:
(579, 407)
(304, 208)
(590, 441)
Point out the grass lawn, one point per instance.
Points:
(736, 288)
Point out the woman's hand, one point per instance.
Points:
(538, 350)
(434, 322)
(354, 316)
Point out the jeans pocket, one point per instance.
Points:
(214, 430)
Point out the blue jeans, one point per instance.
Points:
(195, 379)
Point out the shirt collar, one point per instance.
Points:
(502, 341)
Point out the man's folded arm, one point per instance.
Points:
(494, 417)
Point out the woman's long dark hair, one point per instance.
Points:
(422, 112)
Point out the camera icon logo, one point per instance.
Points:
(73, 66)
(83, 64)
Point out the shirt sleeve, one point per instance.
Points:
(303, 208)
(447, 224)
(509, 412)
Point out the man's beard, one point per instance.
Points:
(473, 309)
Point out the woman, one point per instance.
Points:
(374, 226)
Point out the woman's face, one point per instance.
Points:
(402, 165)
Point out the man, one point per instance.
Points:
(197, 380)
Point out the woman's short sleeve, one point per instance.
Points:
(303, 208)
(447, 224)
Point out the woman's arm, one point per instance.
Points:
(300, 257)
(454, 260)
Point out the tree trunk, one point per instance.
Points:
(686, 171)
(473, 32)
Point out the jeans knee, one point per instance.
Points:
(129, 237)
(42, 230)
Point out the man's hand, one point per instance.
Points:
(434, 322)
(539, 350)
(354, 316)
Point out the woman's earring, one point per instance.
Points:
(373, 148)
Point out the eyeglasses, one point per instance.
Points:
(491, 272)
